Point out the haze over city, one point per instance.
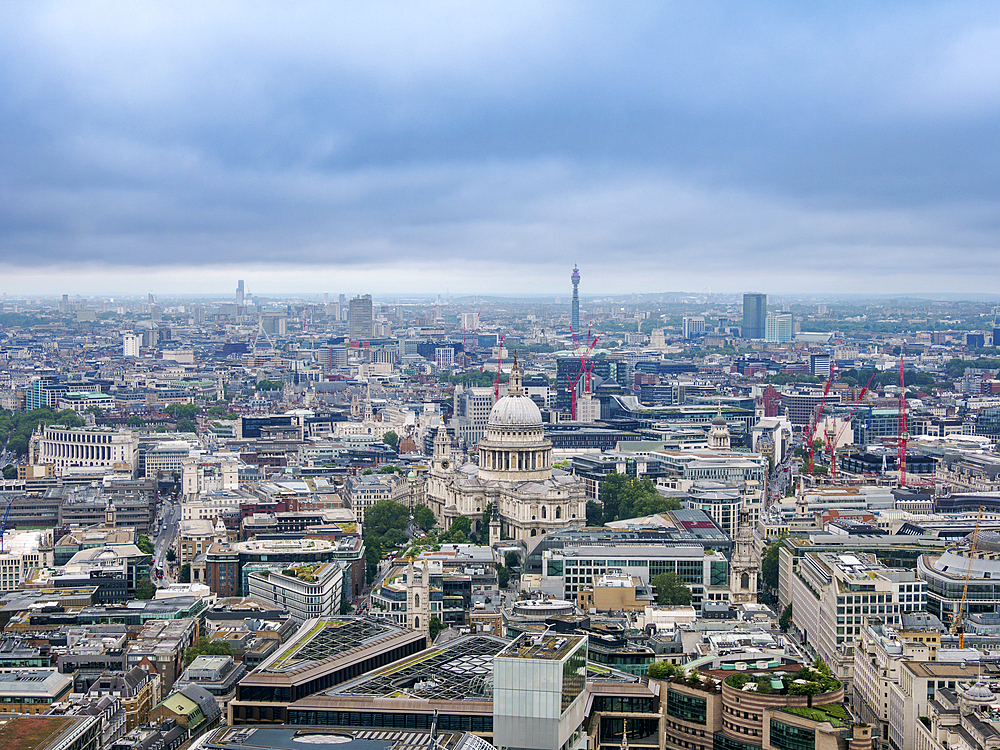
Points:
(421, 148)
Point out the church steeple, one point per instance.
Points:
(514, 387)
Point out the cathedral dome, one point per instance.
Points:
(515, 411)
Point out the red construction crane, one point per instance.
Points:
(816, 415)
(496, 383)
(833, 448)
(904, 434)
(585, 369)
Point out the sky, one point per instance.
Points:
(434, 147)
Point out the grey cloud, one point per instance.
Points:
(372, 136)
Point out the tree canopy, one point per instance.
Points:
(424, 517)
(630, 497)
(435, 626)
(671, 590)
(391, 439)
(459, 531)
(16, 426)
(206, 647)
(145, 546)
(145, 589)
(183, 411)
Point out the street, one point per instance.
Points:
(170, 515)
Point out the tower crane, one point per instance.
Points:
(904, 433)
(958, 621)
(817, 415)
(3, 524)
(836, 442)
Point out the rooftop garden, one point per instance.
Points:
(807, 681)
(304, 572)
(832, 712)
(664, 670)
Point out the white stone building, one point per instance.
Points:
(514, 470)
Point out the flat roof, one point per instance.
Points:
(320, 639)
(546, 647)
(346, 738)
(461, 669)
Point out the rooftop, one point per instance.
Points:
(24, 732)
(545, 647)
(462, 669)
(347, 738)
(321, 639)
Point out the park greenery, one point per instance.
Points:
(144, 544)
(384, 529)
(630, 497)
(16, 426)
(391, 439)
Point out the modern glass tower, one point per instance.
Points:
(754, 315)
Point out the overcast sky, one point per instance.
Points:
(487, 147)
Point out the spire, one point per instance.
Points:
(514, 387)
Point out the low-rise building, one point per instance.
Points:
(218, 675)
(33, 692)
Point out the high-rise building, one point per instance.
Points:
(754, 314)
(239, 293)
(692, 325)
(777, 328)
(130, 344)
(576, 299)
(360, 318)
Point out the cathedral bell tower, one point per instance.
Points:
(418, 598)
(744, 566)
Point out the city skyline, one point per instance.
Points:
(806, 149)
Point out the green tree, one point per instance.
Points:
(10, 472)
(458, 532)
(145, 589)
(661, 670)
(424, 517)
(611, 489)
(171, 555)
(373, 556)
(671, 589)
(384, 515)
(391, 439)
(769, 563)
(595, 513)
(390, 470)
(183, 411)
(435, 626)
(184, 576)
(145, 546)
(785, 621)
(135, 421)
(97, 411)
(270, 385)
(187, 425)
(512, 559)
(503, 577)
(206, 647)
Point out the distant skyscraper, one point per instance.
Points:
(239, 293)
(576, 299)
(754, 315)
(360, 321)
(778, 328)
